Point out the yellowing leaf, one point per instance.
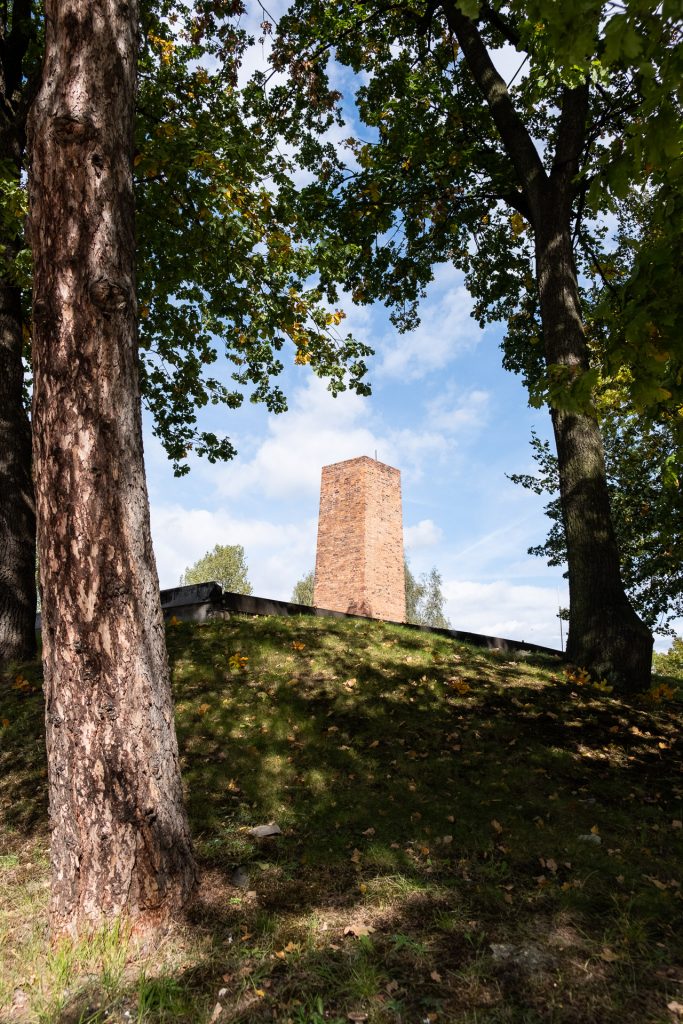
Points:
(595, 830)
(517, 224)
(358, 929)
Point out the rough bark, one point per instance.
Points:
(605, 634)
(17, 511)
(120, 837)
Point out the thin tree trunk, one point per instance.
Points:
(17, 509)
(17, 506)
(605, 634)
(120, 837)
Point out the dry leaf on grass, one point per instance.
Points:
(358, 929)
(263, 831)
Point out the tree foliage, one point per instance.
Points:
(515, 183)
(225, 292)
(671, 663)
(225, 565)
(304, 590)
(648, 515)
(432, 178)
(424, 599)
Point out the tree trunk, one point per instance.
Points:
(120, 836)
(605, 634)
(17, 510)
(17, 507)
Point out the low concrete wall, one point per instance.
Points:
(202, 602)
(207, 601)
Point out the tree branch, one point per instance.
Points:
(516, 139)
(497, 21)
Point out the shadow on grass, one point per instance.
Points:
(484, 834)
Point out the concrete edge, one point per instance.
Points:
(247, 604)
(206, 601)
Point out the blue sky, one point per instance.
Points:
(443, 411)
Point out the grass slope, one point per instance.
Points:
(465, 838)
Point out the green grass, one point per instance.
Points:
(435, 801)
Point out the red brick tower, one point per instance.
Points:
(359, 564)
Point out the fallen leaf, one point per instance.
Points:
(358, 929)
(435, 976)
(369, 831)
(263, 831)
(496, 825)
(355, 857)
(595, 830)
(608, 955)
(677, 823)
(392, 987)
(357, 1016)
(217, 1011)
(675, 1007)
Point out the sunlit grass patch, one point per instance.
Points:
(463, 838)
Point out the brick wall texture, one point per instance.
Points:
(359, 563)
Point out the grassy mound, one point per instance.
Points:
(466, 837)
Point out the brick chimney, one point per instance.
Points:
(359, 564)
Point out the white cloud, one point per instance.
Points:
(277, 553)
(455, 414)
(446, 330)
(504, 609)
(422, 535)
(319, 430)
